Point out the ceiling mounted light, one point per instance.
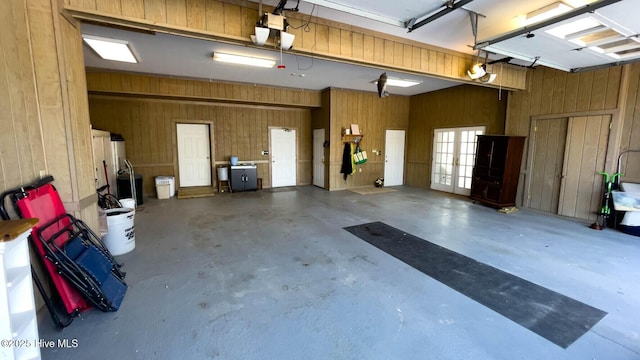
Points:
(477, 71)
(110, 49)
(488, 78)
(261, 36)
(547, 12)
(243, 60)
(399, 82)
(286, 40)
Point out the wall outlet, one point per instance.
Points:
(359, 169)
(43, 173)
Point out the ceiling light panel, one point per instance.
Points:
(243, 60)
(574, 27)
(399, 82)
(547, 12)
(110, 49)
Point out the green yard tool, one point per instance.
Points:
(605, 210)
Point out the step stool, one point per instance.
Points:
(222, 184)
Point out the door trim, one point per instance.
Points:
(404, 153)
(174, 145)
(270, 167)
(455, 170)
(322, 161)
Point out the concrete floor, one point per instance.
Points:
(272, 275)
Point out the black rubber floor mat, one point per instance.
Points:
(557, 318)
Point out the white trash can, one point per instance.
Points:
(166, 180)
(120, 238)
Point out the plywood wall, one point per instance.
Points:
(120, 83)
(44, 120)
(556, 94)
(22, 152)
(630, 139)
(234, 21)
(147, 127)
(373, 115)
(454, 107)
(44, 123)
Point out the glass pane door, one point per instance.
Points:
(453, 156)
(443, 163)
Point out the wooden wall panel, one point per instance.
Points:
(177, 12)
(41, 102)
(570, 93)
(155, 10)
(121, 83)
(133, 8)
(196, 14)
(373, 116)
(233, 20)
(454, 107)
(19, 118)
(242, 131)
(597, 92)
(630, 162)
(75, 91)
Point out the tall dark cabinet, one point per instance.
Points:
(497, 170)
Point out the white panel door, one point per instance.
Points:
(318, 157)
(283, 157)
(194, 151)
(453, 158)
(394, 157)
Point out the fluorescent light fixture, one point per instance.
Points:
(547, 12)
(286, 40)
(563, 31)
(399, 82)
(110, 49)
(261, 36)
(243, 60)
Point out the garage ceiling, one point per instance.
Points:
(498, 20)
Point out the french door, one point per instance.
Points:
(454, 153)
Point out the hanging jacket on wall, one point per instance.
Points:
(347, 167)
